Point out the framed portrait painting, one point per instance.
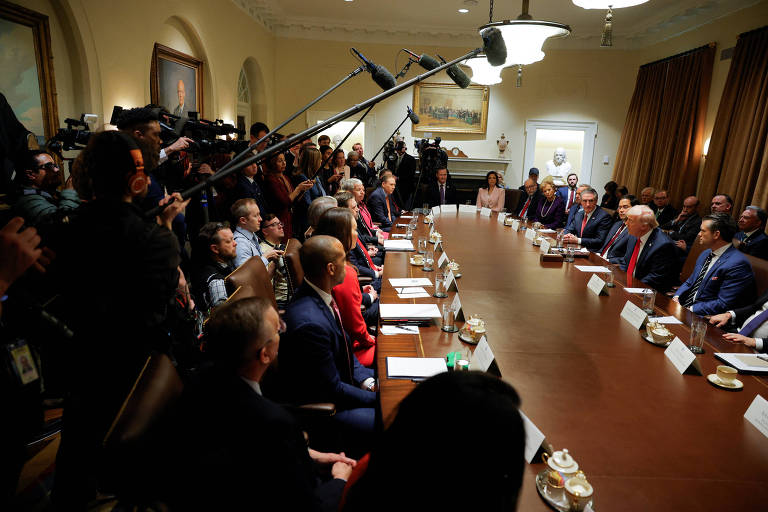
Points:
(26, 79)
(449, 108)
(176, 81)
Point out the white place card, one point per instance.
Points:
(435, 210)
(593, 268)
(442, 260)
(431, 229)
(482, 357)
(456, 305)
(414, 367)
(467, 208)
(635, 290)
(670, 320)
(757, 414)
(485, 212)
(448, 208)
(515, 225)
(533, 438)
(450, 282)
(395, 236)
(545, 245)
(681, 356)
(398, 245)
(501, 217)
(530, 234)
(634, 315)
(596, 285)
(400, 282)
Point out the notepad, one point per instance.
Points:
(664, 320)
(398, 245)
(592, 268)
(744, 362)
(401, 282)
(408, 311)
(399, 329)
(414, 367)
(412, 292)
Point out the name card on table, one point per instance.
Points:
(482, 357)
(757, 414)
(467, 208)
(634, 315)
(442, 260)
(515, 225)
(485, 212)
(545, 245)
(456, 305)
(681, 356)
(431, 229)
(448, 208)
(533, 438)
(530, 234)
(501, 217)
(450, 282)
(435, 210)
(596, 285)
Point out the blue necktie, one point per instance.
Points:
(753, 324)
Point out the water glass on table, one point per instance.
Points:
(649, 299)
(609, 276)
(440, 289)
(698, 332)
(449, 319)
(422, 245)
(429, 261)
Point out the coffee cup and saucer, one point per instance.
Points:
(417, 259)
(725, 378)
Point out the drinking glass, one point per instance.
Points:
(429, 261)
(449, 319)
(425, 208)
(409, 232)
(649, 299)
(440, 290)
(698, 331)
(422, 245)
(609, 277)
(569, 255)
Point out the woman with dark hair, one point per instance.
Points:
(339, 171)
(326, 155)
(281, 193)
(443, 405)
(621, 192)
(340, 223)
(492, 195)
(551, 210)
(309, 161)
(610, 199)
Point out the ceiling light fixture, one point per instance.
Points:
(463, 11)
(606, 39)
(482, 71)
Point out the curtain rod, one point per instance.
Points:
(682, 54)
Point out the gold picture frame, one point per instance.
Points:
(169, 68)
(36, 40)
(450, 109)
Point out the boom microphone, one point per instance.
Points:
(426, 61)
(380, 74)
(494, 47)
(412, 115)
(459, 77)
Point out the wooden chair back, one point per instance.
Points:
(293, 266)
(760, 268)
(511, 198)
(690, 260)
(253, 279)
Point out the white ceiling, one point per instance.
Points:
(437, 22)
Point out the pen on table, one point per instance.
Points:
(414, 330)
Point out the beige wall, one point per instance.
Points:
(102, 51)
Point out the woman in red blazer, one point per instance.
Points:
(281, 194)
(341, 224)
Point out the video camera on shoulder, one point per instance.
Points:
(74, 136)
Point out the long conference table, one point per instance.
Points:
(647, 437)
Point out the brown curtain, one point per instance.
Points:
(662, 140)
(737, 161)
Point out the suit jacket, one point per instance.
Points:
(551, 215)
(756, 245)
(616, 252)
(728, 284)
(252, 452)
(595, 231)
(563, 193)
(531, 212)
(576, 208)
(657, 264)
(406, 174)
(433, 194)
(316, 358)
(245, 188)
(687, 230)
(358, 257)
(667, 215)
(378, 207)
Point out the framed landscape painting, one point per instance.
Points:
(176, 81)
(449, 108)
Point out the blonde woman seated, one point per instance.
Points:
(492, 195)
(551, 209)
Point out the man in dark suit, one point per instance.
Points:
(576, 208)
(569, 193)
(751, 236)
(650, 255)
(316, 354)
(528, 202)
(723, 278)
(441, 191)
(664, 211)
(590, 226)
(248, 186)
(382, 205)
(252, 453)
(533, 174)
(404, 167)
(753, 320)
(684, 228)
(616, 240)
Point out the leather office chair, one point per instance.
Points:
(511, 198)
(690, 260)
(760, 268)
(293, 265)
(254, 280)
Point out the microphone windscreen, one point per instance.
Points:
(428, 62)
(459, 77)
(413, 116)
(494, 47)
(383, 78)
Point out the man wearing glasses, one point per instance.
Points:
(33, 202)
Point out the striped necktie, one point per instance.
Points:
(695, 288)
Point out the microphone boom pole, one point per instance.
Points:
(390, 136)
(311, 131)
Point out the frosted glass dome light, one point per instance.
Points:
(482, 71)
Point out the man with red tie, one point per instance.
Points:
(650, 255)
(590, 226)
(616, 240)
(381, 203)
(529, 202)
(569, 193)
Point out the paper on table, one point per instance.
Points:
(397, 235)
(399, 329)
(406, 216)
(398, 245)
(635, 290)
(414, 367)
(757, 414)
(592, 268)
(743, 362)
(664, 320)
(401, 225)
(414, 294)
(408, 311)
(400, 282)
(448, 208)
(485, 212)
(547, 230)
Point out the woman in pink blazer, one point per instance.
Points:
(491, 196)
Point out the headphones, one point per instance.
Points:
(138, 179)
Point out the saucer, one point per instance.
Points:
(467, 339)
(715, 381)
(647, 338)
(413, 262)
(554, 497)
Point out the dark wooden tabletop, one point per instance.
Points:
(647, 437)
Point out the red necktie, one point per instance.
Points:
(337, 314)
(633, 262)
(389, 211)
(522, 212)
(583, 223)
(610, 243)
(570, 199)
(367, 256)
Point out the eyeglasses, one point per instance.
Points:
(48, 166)
(280, 224)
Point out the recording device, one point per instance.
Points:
(380, 74)
(74, 136)
(412, 115)
(426, 61)
(494, 47)
(431, 158)
(459, 77)
(429, 63)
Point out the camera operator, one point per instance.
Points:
(404, 167)
(119, 274)
(33, 202)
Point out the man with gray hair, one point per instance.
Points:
(751, 238)
(316, 209)
(589, 226)
(650, 255)
(646, 197)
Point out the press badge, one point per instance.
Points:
(23, 362)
